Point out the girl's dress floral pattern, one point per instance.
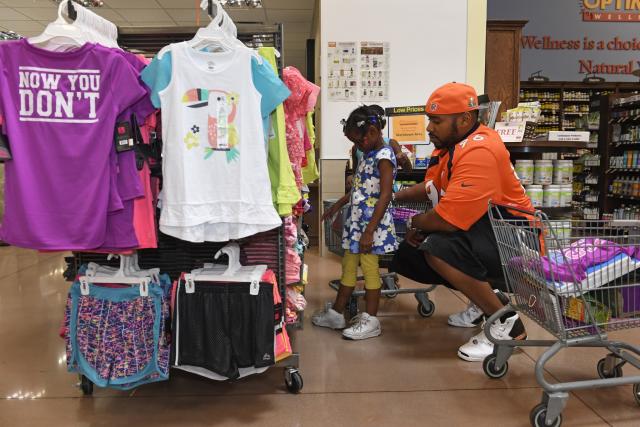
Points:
(365, 193)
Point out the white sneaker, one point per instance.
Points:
(480, 347)
(472, 316)
(329, 318)
(363, 326)
(469, 318)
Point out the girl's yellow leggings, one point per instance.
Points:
(370, 270)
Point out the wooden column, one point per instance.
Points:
(502, 66)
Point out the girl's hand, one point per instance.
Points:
(366, 242)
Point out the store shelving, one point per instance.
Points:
(573, 99)
(620, 141)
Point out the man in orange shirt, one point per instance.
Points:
(453, 243)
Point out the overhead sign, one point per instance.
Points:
(569, 39)
(611, 10)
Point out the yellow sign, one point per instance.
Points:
(409, 128)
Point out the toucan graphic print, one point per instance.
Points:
(221, 129)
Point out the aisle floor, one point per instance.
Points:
(409, 376)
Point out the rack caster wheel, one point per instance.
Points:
(391, 284)
(426, 310)
(293, 381)
(538, 417)
(603, 373)
(86, 386)
(636, 393)
(489, 367)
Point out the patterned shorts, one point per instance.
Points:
(117, 338)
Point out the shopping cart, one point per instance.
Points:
(390, 289)
(578, 284)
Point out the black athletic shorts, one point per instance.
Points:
(222, 327)
(474, 252)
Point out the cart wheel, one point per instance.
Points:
(539, 414)
(617, 371)
(86, 386)
(293, 381)
(489, 367)
(390, 283)
(353, 307)
(426, 310)
(636, 393)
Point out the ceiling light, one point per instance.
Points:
(85, 3)
(9, 35)
(242, 3)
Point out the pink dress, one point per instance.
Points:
(304, 96)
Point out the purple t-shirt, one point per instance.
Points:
(60, 110)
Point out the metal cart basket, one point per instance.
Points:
(579, 280)
(390, 289)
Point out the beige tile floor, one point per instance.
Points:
(408, 377)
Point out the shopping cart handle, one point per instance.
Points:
(513, 207)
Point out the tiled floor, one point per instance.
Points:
(408, 377)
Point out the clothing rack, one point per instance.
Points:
(174, 256)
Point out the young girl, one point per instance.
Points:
(368, 229)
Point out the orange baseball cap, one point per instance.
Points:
(452, 98)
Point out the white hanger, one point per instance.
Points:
(221, 31)
(60, 35)
(119, 277)
(105, 32)
(233, 272)
(129, 272)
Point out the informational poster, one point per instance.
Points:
(374, 71)
(342, 71)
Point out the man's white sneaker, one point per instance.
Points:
(329, 318)
(363, 326)
(480, 347)
(472, 316)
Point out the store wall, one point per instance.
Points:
(428, 45)
(431, 43)
(565, 42)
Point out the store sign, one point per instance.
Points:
(409, 128)
(511, 131)
(569, 39)
(569, 136)
(403, 111)
(611, 10)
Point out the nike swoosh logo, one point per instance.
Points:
(463, 185)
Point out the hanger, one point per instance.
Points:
(103, 31)
(128, 265)
(232, 272)
(101, 275)
(61, 35)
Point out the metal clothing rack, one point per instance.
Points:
(174, 256)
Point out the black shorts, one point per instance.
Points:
(222, 327)
(473, 252)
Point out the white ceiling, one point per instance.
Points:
(29, 17)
